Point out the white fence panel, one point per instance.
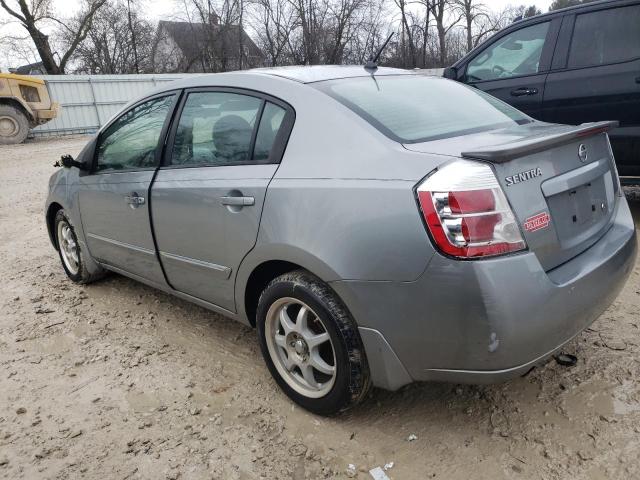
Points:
(88, 101)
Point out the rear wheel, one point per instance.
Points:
(71, 253)
(311, 344)
(14, 125)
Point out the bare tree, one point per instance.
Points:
(311, 16)
(373, 29)
(524, 11)
(18, 48)
(407, 32)
(344, 21)
(441, 10)
(118, 42)
(274, 23)
(471, 11)
(32, 15)
(132, 30)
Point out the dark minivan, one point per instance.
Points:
(580, 64)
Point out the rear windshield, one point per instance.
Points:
(414, 108)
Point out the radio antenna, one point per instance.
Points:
(372, 64)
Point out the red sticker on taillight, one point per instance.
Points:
(537, 222)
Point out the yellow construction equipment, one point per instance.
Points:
(24, 104)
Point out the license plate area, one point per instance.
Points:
(583, 211)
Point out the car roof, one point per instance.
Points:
(320, 73)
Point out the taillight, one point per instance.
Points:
(467, 213)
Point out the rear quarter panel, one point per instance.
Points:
(342, 202)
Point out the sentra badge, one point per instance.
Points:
(523, 176)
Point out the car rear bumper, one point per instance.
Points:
(490, 320)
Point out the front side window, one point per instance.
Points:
(217, 128)
(516, 54)
(131, 141)
(415, 108)
(607, 36)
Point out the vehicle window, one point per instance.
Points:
(270, 124)
(416, 108)
(517, 53)
(606, 36)
(215, 128)
(131, 141)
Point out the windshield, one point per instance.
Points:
(414, 108)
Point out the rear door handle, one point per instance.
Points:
(520, 92)
(238, 201)
(637, 79)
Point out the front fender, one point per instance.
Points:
(63, 192)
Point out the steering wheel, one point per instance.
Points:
(498, 70)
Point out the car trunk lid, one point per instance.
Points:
(560, 181)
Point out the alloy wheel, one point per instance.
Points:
(69, 249)
(300, 347)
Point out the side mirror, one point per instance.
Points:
(67, 161)
(450, 73)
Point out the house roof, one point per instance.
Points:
(30, 69)
(191, 38)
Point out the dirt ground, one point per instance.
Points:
(118, 381)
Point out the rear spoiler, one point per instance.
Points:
(509, 151)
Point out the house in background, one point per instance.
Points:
(31, 69)
(203, 47)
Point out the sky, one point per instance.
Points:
(162, 9)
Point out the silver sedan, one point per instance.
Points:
(376, 226)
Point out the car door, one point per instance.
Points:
(207, 197)
(513, 67)
(596, 76)
(113, 197)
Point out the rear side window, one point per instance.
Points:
(131, 141)
(414, 108)
(270, 124)
(606, 36)
(219, 128)
(215, 128)
(517, 53)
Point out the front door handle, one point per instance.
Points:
(520, 92)
(134, 200)
(238, 201)
(637, 79)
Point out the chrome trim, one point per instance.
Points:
(226, 271)
(121, 244)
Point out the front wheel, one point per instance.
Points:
(311, 344)
(71, 253)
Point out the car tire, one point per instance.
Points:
(323, 340)
(14, 125)
(72, 255)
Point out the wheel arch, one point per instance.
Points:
(52, 211)
(259, 278)
(256, 273)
